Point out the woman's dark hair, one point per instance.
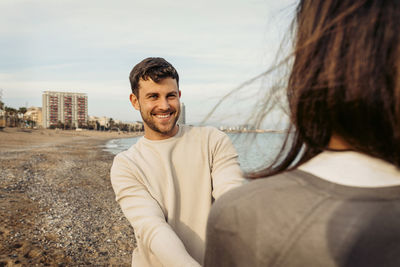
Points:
(155, 68)
(344, 81)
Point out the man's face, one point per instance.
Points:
(159, 106)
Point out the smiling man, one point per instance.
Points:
(159, 107)
(166, 182)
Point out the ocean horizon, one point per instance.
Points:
(255, 150)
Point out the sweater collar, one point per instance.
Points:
(177, 135)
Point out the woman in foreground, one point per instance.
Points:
(333, 198)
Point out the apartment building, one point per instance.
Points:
(67, 108)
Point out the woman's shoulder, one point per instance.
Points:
(264, 191)
(257, 188)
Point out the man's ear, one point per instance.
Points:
(179, 93)
(135, 101)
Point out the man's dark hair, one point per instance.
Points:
(154, 68)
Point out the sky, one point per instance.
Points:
(90, 46)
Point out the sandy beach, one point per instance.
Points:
(57, 207)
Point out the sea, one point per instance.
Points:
(255, 150)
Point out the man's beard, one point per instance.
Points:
(148, 120)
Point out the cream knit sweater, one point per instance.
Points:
(165, 189)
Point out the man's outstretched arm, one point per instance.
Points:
(147, 217)
(226, 173)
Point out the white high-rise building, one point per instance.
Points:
(71, 108)
(182, 116)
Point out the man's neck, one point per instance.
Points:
(152, 135)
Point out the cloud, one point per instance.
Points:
(90, 46)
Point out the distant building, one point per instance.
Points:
(99, 123)
(182, 116)
(137, 126)
(105, 123)
(2, 119)
(34, 114)
(64, 107)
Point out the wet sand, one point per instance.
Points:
(57, 207)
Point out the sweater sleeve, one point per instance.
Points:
(226, 173)
(147, 217)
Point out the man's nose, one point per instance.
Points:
(164, 104)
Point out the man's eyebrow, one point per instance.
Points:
(151, 93)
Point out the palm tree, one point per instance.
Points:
(22, 110)
(110, 123)
(11, 116)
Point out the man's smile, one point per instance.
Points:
(163, 115)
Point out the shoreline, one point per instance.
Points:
(57, 204)
(14, 135)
